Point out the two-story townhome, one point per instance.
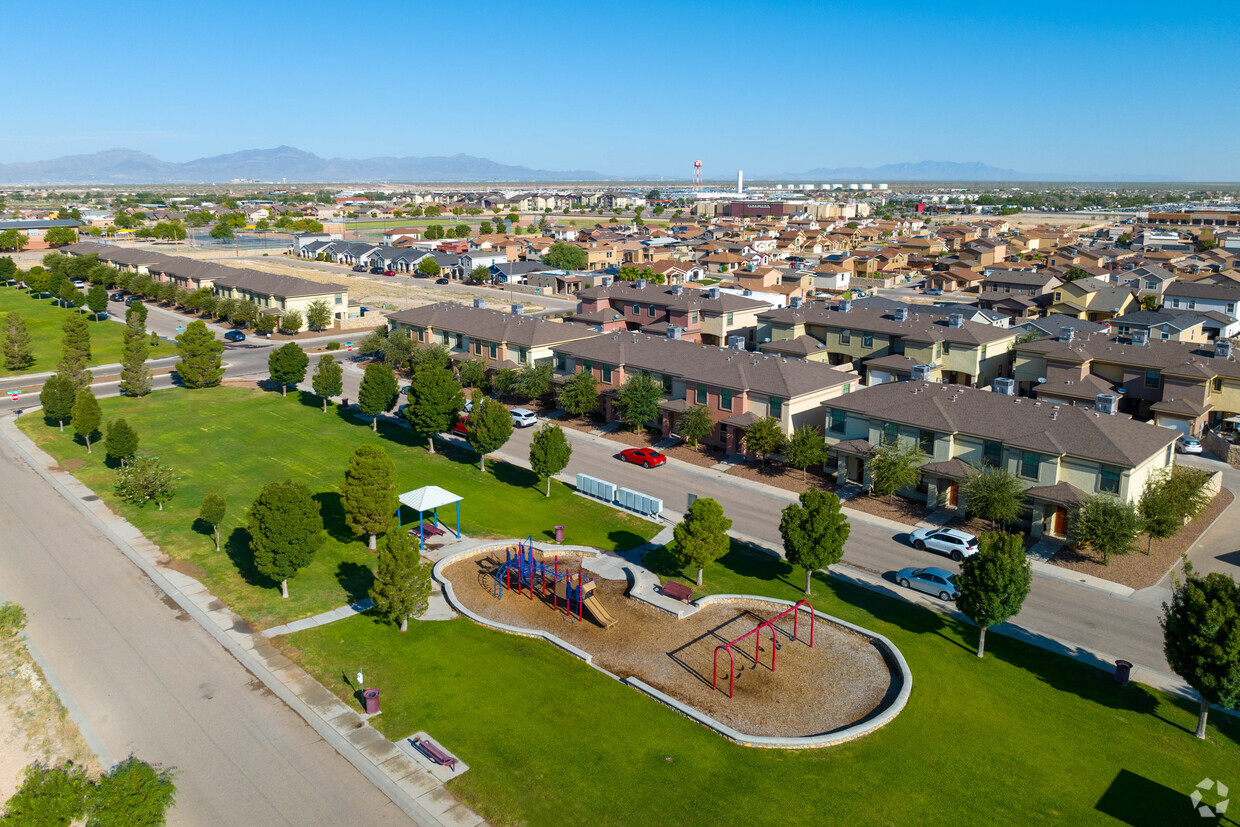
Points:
(951, 348)
(1195, 295)
(709, 316)
(275, 294)
(496, 338)
(1062, 454)
(1090, 299)
(1146, 280)
(1166, 325)
(738, 387)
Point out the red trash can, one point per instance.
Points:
(371, 699)
(559, 534)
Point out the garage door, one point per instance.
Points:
(1180, 425)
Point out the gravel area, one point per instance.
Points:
(781, 476)
(899, 509)
(839, 682)
(1137, 569)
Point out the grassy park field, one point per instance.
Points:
(44, 321)
(233, 441)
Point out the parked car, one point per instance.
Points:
(933, 291)
(118, 296)
(953, 542)
(938, 582)
(441, 281)
(1188, 445)
(389, 272)
(645, 457)
(79, 284)
(359, 268)
(234, 336)
(376, 270)
(523, 418)
(461, 426)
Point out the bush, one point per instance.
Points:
(12, 619)
(333, 345)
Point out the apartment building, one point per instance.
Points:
(709, 316)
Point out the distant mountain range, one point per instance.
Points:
(942, 171)
(284, 163)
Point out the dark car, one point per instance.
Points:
(441, 281)
(133, 300)
(378, 271)
(359, 268)
(234, 336)
(118, 296)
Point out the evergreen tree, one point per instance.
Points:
(1201, 638)
(287, 365)
(579, 394)
(489, 426)
(550, 452)
(435, 400)
(121, 443)
(402, 586)
(86, 415)
(695, 424)
(76, 351)
(328, 379)
(135, 375)
(135, 316)
(18, 354)
(378, 393)
(286, 529)
(701, 537)
(368, 492)
(212, 513)
(201, 364)
(814, 532)
(97, 300)
(472, 373)
(57, 397)
(993, 582)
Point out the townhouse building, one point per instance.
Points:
(1202, 297)
(1091, 299)
(710, 316)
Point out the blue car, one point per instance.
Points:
(933, 291)
(234, 336)
(938, 582)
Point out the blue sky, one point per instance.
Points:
(1095, 90)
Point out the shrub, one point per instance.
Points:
(333, 345)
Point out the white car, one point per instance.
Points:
(954, 543)
(1189, 445)
(523, 418)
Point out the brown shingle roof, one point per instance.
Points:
(492, 325)
(920, 327)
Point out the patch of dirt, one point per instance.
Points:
(186, 567)
(909, 512)
(839, 682)
(781, 476)
(72, 464)
(1137, 569)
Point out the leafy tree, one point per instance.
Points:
(806, 448)
(18, 354)
(472, 373)
(431, 355)
(402, 587)
(136, 315)
(75, 347)
(132, 794)
(765, 436)
(1172, 497)
(287, 365)
(814, 532)
(504, 382)
(263, 324)
(485, 228)
(1105, 524)
(328, 379)
(290, 321)
(637, 400)
(532, 382)
(701, 537)
(429, 267)
(695, 424)
(318, 315)
(8, 268)
(135, 375)
(121, 443)
(489, 426)
(368, 492)
(86, 415)
(435, 399)
(994, 494)
(1201, 638)
(13, 241)
(97, 300)
(145, 478)
(397, 349)
(579, 394)
(993, 582)
(222, 231)
(378, 393)
(51, 796)
(201, 364)
(550, 452)
(212, 513)
(57, 397)
(286, 529)
(894, 467)
(563, 256)
(1075, 274)
(480, 274)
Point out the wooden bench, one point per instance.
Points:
(432, 751)
(676, 591)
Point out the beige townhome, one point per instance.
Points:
(275, 294)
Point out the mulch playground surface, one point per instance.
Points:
(839, 682)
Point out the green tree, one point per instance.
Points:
(18, 354)
(485, 228)
(57, 397)
(1105, 524)
(378, 393)
(1172, 497)
(397, 349)
(489, 426)
(579, 393)
(563, 256)
(765, 436)
(994, 494)
(993, 582)
(135, 375)
(695, 424)
(532, 382)
(472, 373)
(701, 537)
(75, 350)
(637, 400)
(222, 231)
(136, 314)
(435, 400)
(286, 529)
(121, 443)
(402, 587)
(550, 452)
(287, 365)
(430, 356)
(97, 300)
(212, 513)
(480, 274)
(893, 467)
(1201, 638)
(1075, 273)
(86, 415)
(814, 532)
(318, 315)
(368, 492)
(328, 379)
(13, 241)
(201, 364)
(145, 478)
(48, 797)
(429, 267)
(433, 232)
(806, 448)
(132, 794)
(264, 324)
(8, 269)
(290, 321)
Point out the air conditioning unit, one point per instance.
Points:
(1106, 403)
(641, 284)
(678, 290)
(921, 373)
(1222, 349)
(736, 342)
(955, 320)
(796, 302)
(1007, 387)
(1141, 337)
(712, 293)
(901, 314)
(480, 302)
(1066, 334)
(605, 281)
(673, 332)
(518, 309)
(845, 305)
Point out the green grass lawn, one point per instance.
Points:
(1024, 736)
(45, 321)
(232, 441)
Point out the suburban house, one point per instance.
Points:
(736, 386)
(1195, 295)
(1181, 326)
(955, 278)
(1146, 280)
(1088, 298)
(1062, 454)
(710, 316)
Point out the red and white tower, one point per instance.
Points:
(697, 177)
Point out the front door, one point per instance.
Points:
(1059, 521)
(953, 495)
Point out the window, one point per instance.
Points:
(891, 432)
(983, 351)
(938, 350)
(847, 388)
(460, 341)
(494, 351)
(1058, 296)
(777, 407)
(1218, 384)
(725, 400)
(992, 454)
(693, 317)
(1192, 304)
(650, 311)
(1153, 378)
(1150, 284)
(845, 337)
(478, 348)
(837, 422)
(701, 394)
(587, 366)
(1231, 308)
(1175, 302)
(1167, 457)
(729, 320)
(1109, 481)
(446, 338)
(1166, 333)
(340, 299)
(867, 340)
(666, 380)
(560, 361)
(421, 333)
(637, 310)
(523, 356)
(925, 442)
(607, 373)
(1029, 465)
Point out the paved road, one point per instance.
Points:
(148, 680)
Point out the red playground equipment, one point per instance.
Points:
(757, 649)
(523, 569)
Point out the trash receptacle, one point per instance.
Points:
(371, 698)
(559, 534)
(1123, 669)
(344, 402)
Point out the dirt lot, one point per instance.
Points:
(839, 682)
(781, 476)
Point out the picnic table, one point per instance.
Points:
(428, 530)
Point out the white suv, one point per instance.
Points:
(954, 543)
(523, 418)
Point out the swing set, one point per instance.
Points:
(757, 649)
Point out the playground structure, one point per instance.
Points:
(757, 649)
(523, 569)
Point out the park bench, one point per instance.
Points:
(432, 751)
(676, 591)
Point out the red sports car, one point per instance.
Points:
(646, 457)
(460, 427)
(389, 272)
